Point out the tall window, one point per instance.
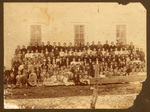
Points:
(121, 33)
(35, 33)
(79, 34)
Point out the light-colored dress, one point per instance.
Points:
(32, 79)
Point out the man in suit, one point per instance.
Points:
(23, 49)
(65, 47)
(30, 47)
(131, 46)
(87, 45)
(93, 45)
(42, 47)
(59, 46)
(48, 46)
(106, 46)
(99, 45)
(17, 50)
(36, 47)
(76, 46)
(54, 46)
(81, 46)
(70, 47)
(112, 46)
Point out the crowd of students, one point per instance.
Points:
(73, 64)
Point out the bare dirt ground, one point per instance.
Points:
(72, 97)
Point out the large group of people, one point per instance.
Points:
(58, 64)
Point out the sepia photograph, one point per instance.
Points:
(77, 55)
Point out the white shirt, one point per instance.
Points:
(27, 55)
(61, 53)
(79, 53)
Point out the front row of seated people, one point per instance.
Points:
(56, 76)
(75, 74)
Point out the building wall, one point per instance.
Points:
(58, 20)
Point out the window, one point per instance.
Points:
(35, 31)
(121, 33)
(79, 34)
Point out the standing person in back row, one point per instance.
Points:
(59, 46)
(17, 50)
(23, 49)
(49, 46)
(36, 47)
(106, 46)
(30, 47)
(142, 55)
(131, 46)
(93, 46)
(99, 46)
(42, 47)
(112, 46)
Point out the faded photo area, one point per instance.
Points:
(73, 55)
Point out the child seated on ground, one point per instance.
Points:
(43, 75)
(110, 73)
(133, 72)
(18, 78)
(124, 73)
(82, 79)
(87, 77)
(67, 79)
(105, 72)
(76, 77)
(24, 78)
(32, 81)
(52, 81)
(61, 75)
(116, 72)
(11, 80)
(101, 74)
